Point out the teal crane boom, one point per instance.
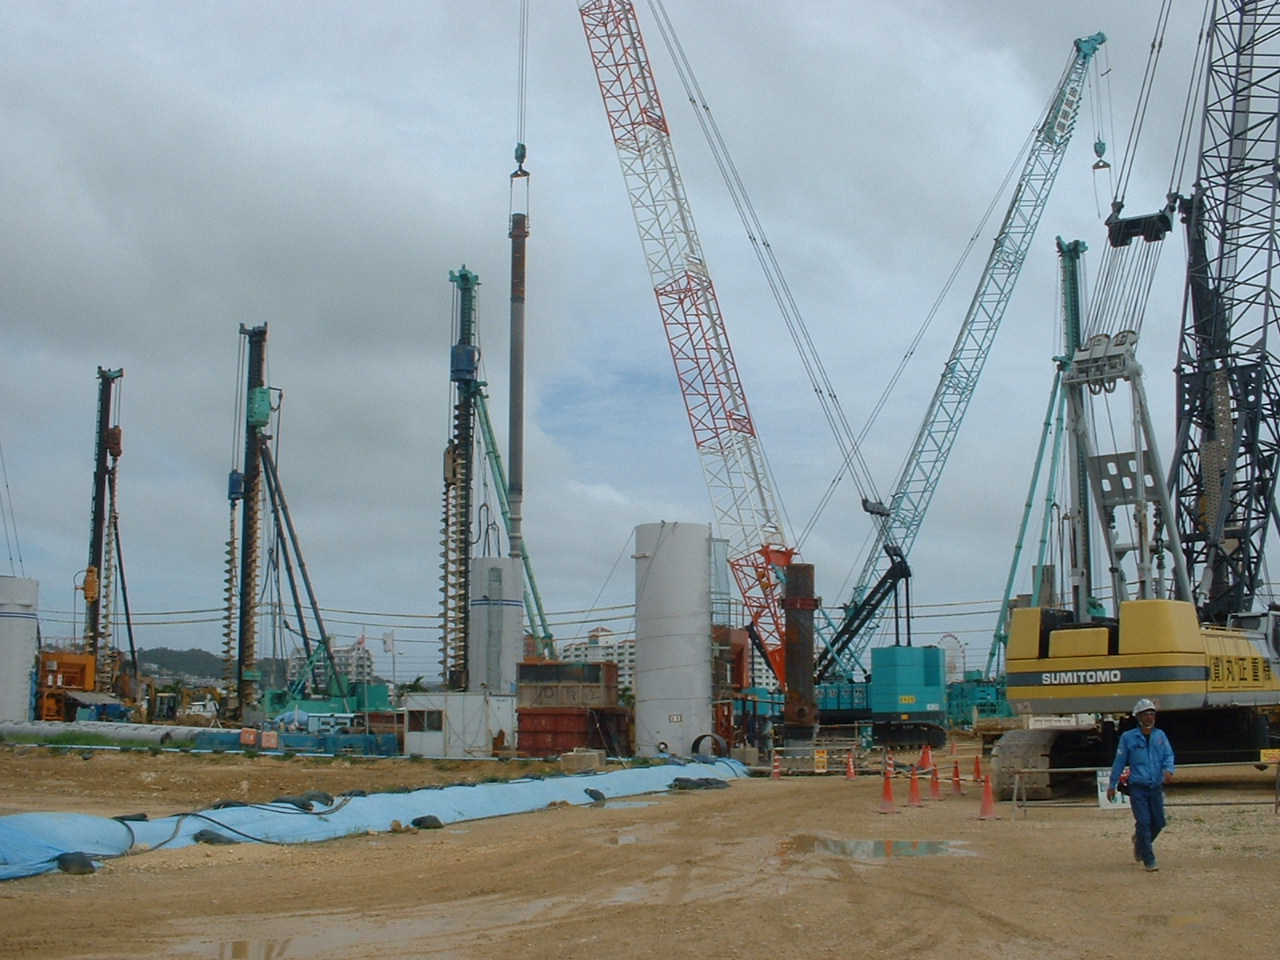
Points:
(901, 519)
(1053, 437)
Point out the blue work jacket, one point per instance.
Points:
(1146, 757)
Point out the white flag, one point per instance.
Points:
(389, 641)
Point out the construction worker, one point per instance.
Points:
(1148, 755)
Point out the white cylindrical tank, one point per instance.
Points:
(673, 637)
(495, 641)
(19, 645)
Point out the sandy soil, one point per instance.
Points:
(798, 867)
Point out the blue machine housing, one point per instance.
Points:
(976, 698)
(908, 683)
(909, 695)
(843, 702)
(904, 697)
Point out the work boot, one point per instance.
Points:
(1152, 867)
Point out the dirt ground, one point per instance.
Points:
(798, 867)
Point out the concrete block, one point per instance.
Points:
(581, 758)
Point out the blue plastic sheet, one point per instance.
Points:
(360, 744)
(30, 843)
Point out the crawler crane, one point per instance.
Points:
(886, 565)
(1194, 639)
(737, 475)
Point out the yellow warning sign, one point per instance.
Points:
(819, 761)
(1269, 756)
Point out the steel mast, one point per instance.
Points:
(245, 487)
(98, 572)
(459, 474)
(1228, 438)
(733, 462)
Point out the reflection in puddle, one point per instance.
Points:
(617, 804)
(869, 851)
(253, 950)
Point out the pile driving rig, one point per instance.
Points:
(1194, 638)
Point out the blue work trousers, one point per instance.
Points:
(1147, 803)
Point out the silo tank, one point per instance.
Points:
(19, 645)
(673, 665)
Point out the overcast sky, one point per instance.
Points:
(172, 170)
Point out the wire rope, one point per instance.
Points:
(945, 292)
(1102, 109)
(608, 577)
(522, 71)
(1143, 102)
(851, 456)
(10, 520)
(1182, 152)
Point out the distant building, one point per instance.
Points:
(602, 645)
(761, 675)
(354, 662)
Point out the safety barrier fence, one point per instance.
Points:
(1020, 803)
(834, 756)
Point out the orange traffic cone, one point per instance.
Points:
(955, 780)
(935, 785)
(850, 771)
(913, 791)
(886, 796)
(988, 811)
(926, 758)
(888, 765)
(954, 749)
(777, 768)
(977, 768)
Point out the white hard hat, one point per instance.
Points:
(1143, 704)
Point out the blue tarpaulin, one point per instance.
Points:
(31, 843)
(361, 744)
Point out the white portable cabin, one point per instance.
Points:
(459, 725)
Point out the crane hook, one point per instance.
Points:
(1099, 148)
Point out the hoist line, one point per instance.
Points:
(1102, 109)
(1143, 102)
(851, 457)
(522, 70)
(823, 502)
(10, 520)
(520, 175)
(1182, 152)
(755, 232)
(1018, 162)
(1124, 287)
